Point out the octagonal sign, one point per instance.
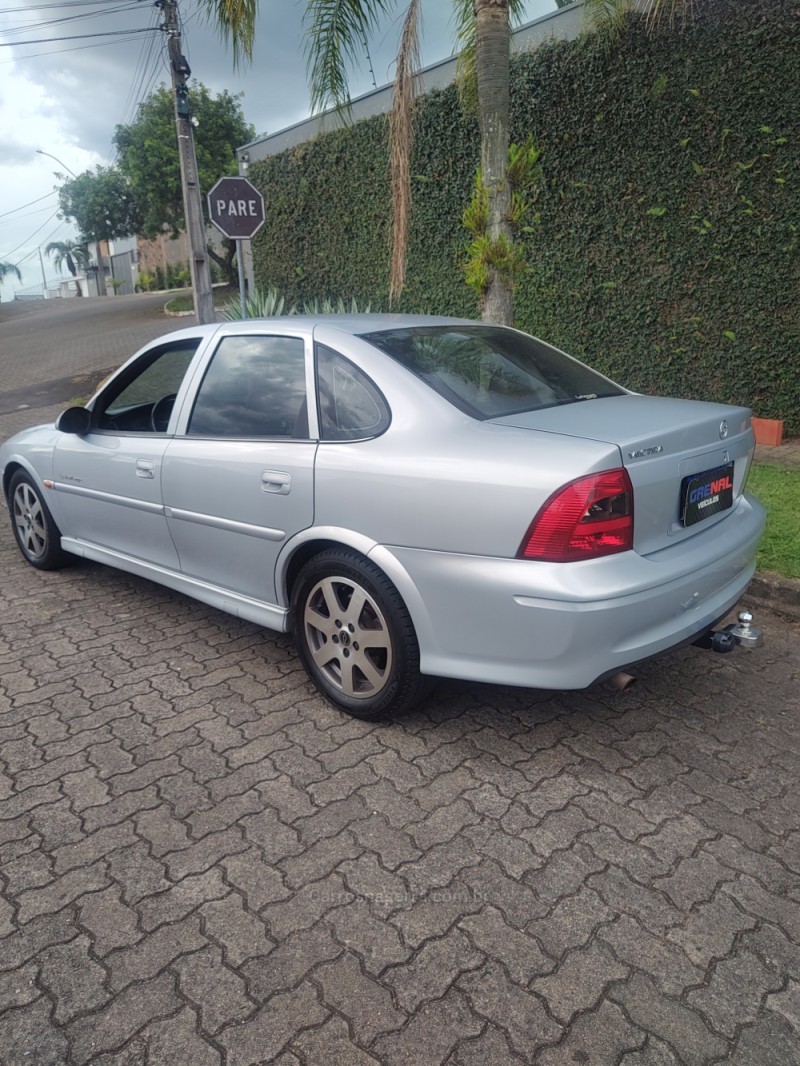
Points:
(236, 207)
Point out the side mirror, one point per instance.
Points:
(74, 420)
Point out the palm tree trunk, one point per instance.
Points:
(492, 63)
(72, 268)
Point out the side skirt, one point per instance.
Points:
(268, 615)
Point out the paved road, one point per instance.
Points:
(202, 863)
(42, 341)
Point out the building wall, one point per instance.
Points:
(163, 251)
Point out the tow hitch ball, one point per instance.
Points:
(742, 633)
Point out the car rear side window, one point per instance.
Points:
(488, 371)
(350, 406)
(255, 386)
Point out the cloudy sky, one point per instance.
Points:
(65, 96)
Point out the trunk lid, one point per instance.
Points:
(664, 445)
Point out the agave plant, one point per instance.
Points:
(333, 307)
(261, 303)
(269, 303)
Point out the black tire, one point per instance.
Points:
(355, 637)
(37, 535)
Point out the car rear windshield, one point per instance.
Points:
(488, 371)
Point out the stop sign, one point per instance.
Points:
(236, 207)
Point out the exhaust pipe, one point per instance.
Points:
(622, 681)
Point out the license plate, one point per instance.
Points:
(706, 494)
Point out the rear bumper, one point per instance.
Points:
(541, 625)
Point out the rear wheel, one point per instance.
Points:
(38, 537)
(355, 636)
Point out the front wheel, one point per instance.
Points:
(355, 637)
(37, 535)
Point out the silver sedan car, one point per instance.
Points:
(407, 495)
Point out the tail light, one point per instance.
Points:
(587, 518)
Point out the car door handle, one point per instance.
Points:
(276, 481)
(145, 468)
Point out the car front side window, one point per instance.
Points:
(140, 400)
(255, 386)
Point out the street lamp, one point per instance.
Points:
(61, 163)
(51, 156)
(41, 261)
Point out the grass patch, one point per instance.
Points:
(779, 492)
(184, 301)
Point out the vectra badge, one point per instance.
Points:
(723, 429)
(640, 453)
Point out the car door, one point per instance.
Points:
(238, 477)
(109, 480)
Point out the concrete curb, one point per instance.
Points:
(776, 593)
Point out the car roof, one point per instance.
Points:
(354, 324)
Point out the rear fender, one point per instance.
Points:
(381, 556)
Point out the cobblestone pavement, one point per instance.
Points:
(202, 863)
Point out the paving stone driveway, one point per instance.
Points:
(202, 863)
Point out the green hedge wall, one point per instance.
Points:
(667, 251)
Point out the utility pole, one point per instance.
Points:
(44, 279)
(101, 269)
(192, 201)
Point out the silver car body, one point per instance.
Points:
(439, 502)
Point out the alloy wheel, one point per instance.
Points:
(347, 637)
(29, 519)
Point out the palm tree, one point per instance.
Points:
(9, 270)
(492, 70)
(72, 253)
(483, 27)
(336, 32)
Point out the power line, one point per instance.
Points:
(60, 51)
(29, 204)
(75, 37)
(47, 239)
(143, 76)
(149, 69)
(30, 214)
(46, 23)
(22, 245)
(57, 6)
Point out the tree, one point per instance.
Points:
(9, 270)
(336, 31)
(102, 206)
(148, 157)
(492, 70)
(72, 253)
